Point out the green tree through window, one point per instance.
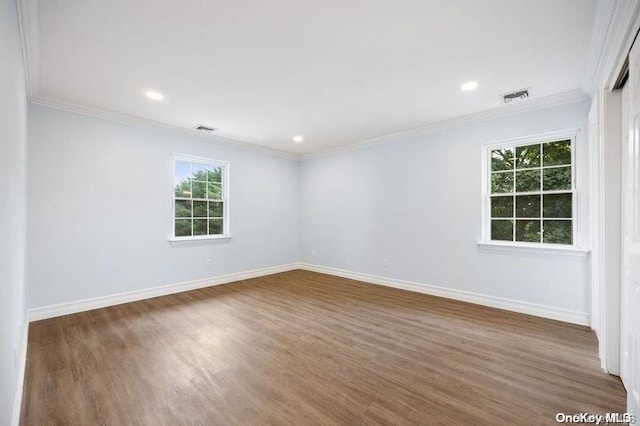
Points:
(199, 198)
(531, 193)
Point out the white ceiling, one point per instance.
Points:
(337, 72)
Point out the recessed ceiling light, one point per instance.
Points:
(298, 138)
(469, 86)
(152, 94)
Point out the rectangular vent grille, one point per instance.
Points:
(205, 129)
(515, 96)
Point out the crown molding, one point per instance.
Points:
(615, 24)
(531, 104)
(487, 115)
(603, 18)
(28, 17)
(155, 125)
(30, 37)
(626, 27)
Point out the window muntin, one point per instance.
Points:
(531, 191)
(200, 199)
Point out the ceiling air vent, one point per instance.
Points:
(205, 129)
(518, 95)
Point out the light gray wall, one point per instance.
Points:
(13, 142)
(418, 203)
(100, 216)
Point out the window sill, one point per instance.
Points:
(186, 241)
(548, 249)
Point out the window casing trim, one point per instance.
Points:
(226, 233)
(486, 241)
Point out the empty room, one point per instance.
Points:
(319, 213)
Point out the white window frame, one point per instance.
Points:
(487, 242)
(226, 225)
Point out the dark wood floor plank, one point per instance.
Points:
(306, 348)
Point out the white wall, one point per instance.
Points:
(100, 209)
(13, 141)
(418, 203)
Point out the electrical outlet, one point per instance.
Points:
(208, 263)
(386, 263)
(314, 253)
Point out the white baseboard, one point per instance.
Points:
(22, 352)
(132, 296)
(550, 312)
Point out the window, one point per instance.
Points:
(200, 200)
(530, 192)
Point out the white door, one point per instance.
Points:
(630, 296)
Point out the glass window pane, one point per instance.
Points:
(502, 159)
(528, 206)
(528, 180)
(528, 231)
(214, 174)
(502, 206)
(183, 208)
(556, 153)
(182, 171)
(183, 189)
(199, 172)
(199, 189)
(501, 182)
(557, 178)
(557, 205)
(199, 226)
(502, 230)
(183, 227)
(199, 209)
(215, 226)
(215, 209)
(557, 232)
(528, 156)
(214, 191)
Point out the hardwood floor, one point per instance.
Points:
(305, 348)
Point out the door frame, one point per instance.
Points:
(605, 121)
(616, 24)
